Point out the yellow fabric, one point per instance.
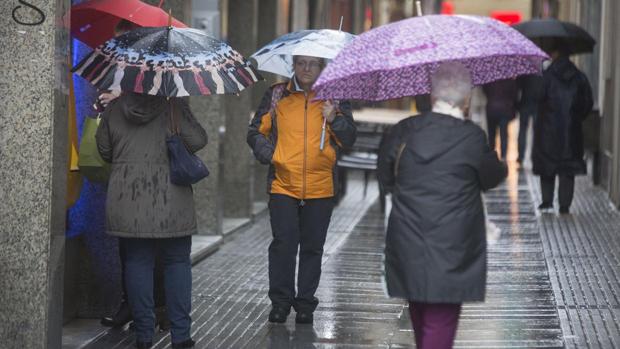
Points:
(302, 170)
(74, 179)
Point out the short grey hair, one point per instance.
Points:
(451, 83)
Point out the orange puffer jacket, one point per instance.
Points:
(286, 133)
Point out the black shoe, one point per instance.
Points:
(278, 314)
(143, 345)
(122, 317)
(304, 317)
(564, 210)
(545, 207)
(107, 321)
(186, 344)
(161, 319)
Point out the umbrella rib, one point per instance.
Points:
(138, 9)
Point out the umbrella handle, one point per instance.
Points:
(322, 146)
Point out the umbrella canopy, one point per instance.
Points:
(166, 61)
(277, 56)
(575, 38)
(398, 59)
(93, 22)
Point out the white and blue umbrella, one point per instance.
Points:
(277, 56)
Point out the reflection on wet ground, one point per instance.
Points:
(549, 283)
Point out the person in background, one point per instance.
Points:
(286, 134)
(436, 165)
(566, 101)
(106, 97)
(123, 313)
(530, 87)
(145, 209)
(500, 110)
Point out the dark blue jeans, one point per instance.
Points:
(175, 254)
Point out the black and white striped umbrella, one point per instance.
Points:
(167, 61)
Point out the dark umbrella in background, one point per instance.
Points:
(169, 62)
(544, 31)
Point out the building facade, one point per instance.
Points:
(602, 20)
(57, 264)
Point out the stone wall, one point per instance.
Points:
(33, 168)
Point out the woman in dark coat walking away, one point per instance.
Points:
(500, 110)
(436, 165)
(146, 210)
(565, 103)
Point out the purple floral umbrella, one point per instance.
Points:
(398, 59)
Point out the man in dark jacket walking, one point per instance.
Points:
(286, 134)
(565, 103)
(436, 165)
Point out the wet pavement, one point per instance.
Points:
(583, 256)
(552, 282)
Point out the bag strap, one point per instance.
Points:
(173, 123)
(175, 128)
(276, 95)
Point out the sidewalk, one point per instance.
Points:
(583, 256)
(552, 282)
(230, 303)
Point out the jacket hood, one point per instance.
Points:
(563, 68)
(428, 146)
(141, 109)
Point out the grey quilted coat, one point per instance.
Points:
(141, 201)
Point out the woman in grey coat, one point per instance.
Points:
(147, 210)
(436, 165)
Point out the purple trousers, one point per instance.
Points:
(434, 325)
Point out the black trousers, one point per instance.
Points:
(493, 122)
(524, 123)
(159, 294)
(565, 190)
(297, 225)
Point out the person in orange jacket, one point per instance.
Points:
(286, 133)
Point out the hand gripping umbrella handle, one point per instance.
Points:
(322, 146)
